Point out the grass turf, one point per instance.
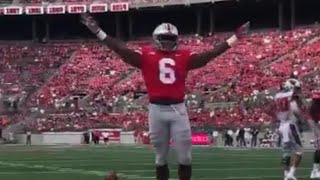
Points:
(136, 163)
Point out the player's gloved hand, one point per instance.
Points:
(240, 33)
(93, 26)
(243, 30)
(90, 22)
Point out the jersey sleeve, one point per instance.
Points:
(143, 52)
(187, 55)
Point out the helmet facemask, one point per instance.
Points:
(291, 85)
(166, 42)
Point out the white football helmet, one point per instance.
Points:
(291, 84)
(165, 37)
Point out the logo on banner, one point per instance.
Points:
(118, 7)
(56, 9)
(31, 10)
(75, 9)
(98, 8)
(200, 139)
(13, 10)
(197, 139)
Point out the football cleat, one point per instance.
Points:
(291, 176)
(315, 174)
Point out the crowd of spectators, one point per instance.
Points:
(60, 71)
(25, 67)
(81, 121)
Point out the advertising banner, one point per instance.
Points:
(197, 139)
(56, 9)
(113, 134)
(98, 8)
(200, 139)
(13, 10)
(118, 7)
(32, 10)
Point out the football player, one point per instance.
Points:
(164, 68)
(314, 112)
(286, 110)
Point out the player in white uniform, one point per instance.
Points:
(287, 111)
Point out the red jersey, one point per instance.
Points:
(165, 73)
(315, 106)
(316, 95)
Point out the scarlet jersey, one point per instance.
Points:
(165, 73)
(316, 95)
(315, 106)
(315, 116)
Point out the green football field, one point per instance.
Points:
(136, 163)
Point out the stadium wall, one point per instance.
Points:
(67, 138)
(47, 138)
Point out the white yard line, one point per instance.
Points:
(211, 153)
(208, 178)
(249, 177)
(89, 162)
(71, 170)
(61, 170)
(223, 169)
(32, 172)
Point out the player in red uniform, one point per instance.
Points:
(314, 112)
(164, 68)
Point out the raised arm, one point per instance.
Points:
(200, 60)
(128, 55)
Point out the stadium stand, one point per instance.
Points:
(105, 81)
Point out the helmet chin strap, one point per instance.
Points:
(170, 49)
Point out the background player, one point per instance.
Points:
(164, 68)
(287, 111)
(314, 112)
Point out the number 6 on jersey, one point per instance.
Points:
(167, 74)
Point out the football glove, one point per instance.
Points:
(90, 22)
(243, 30)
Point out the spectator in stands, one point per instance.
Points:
(230, 141)
(1, 126)
(96, 137)
(242, 138)
(11, 138)
(86, 137)
(105, 136)
(254, 136)
(215, 135)
(28, 142)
